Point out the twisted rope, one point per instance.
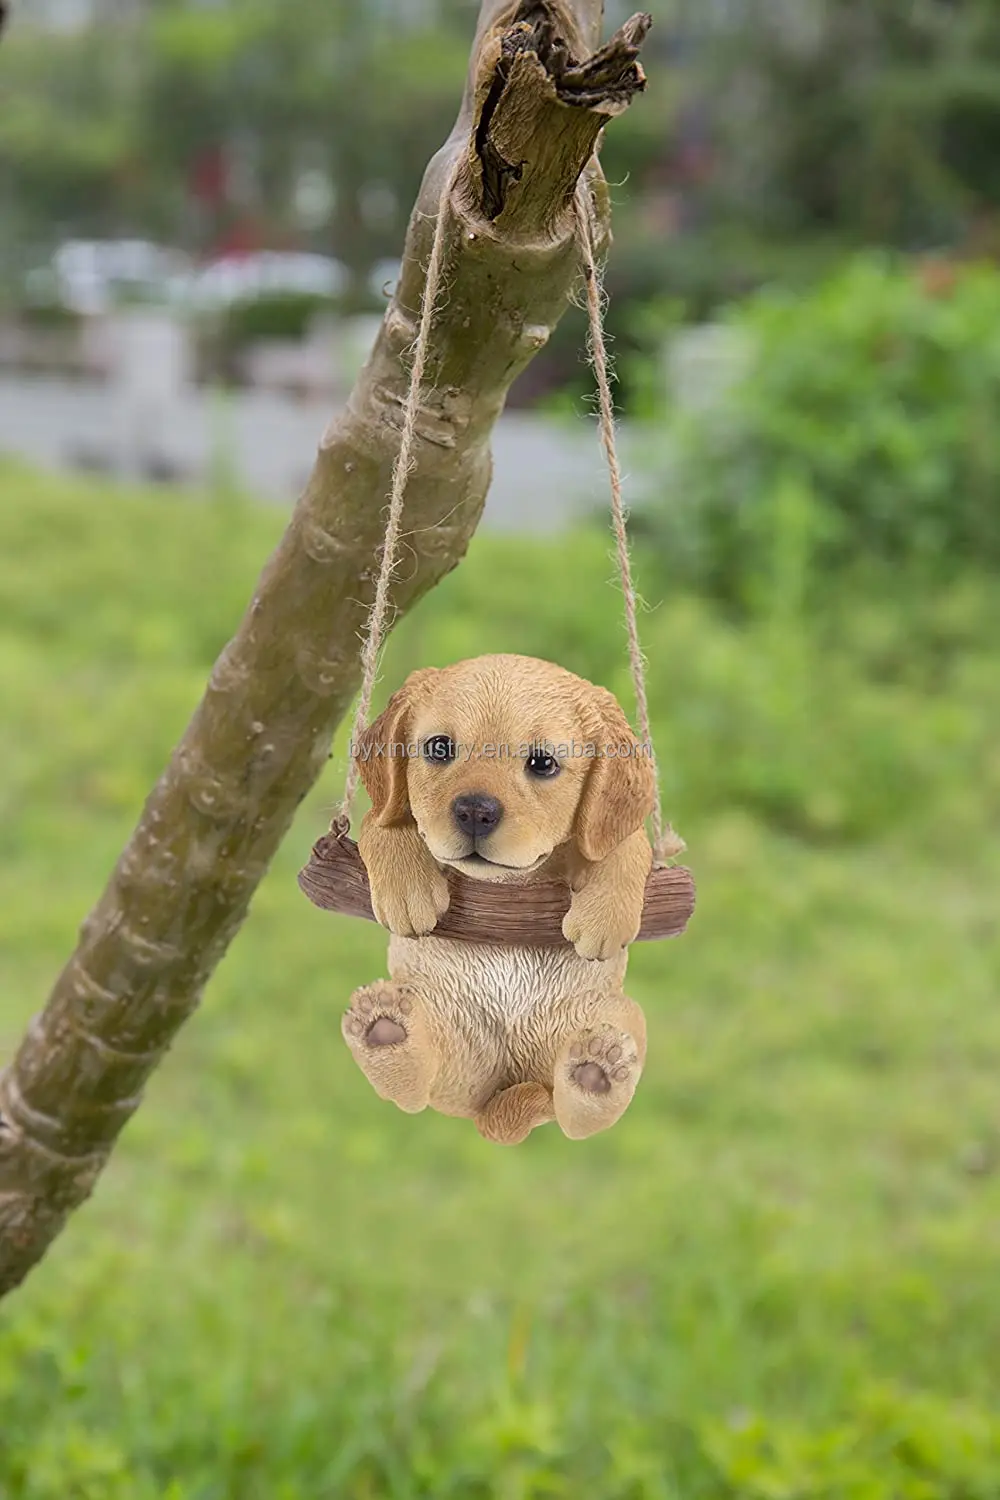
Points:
(402, 469)
(666, 842)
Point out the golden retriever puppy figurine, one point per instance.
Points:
(506, 769)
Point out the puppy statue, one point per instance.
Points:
(506, 769)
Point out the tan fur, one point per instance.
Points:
(509, 1037)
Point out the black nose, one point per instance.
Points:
(475, 813)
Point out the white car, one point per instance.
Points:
(91, 276)
(235, 278)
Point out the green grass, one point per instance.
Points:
(776, 1279)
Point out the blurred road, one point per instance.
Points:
(546, 472)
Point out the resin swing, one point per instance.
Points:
(335, 878)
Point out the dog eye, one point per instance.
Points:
(440, 747)
(541, 763)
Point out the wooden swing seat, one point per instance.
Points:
(335, 879)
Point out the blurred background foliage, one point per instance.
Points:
(859, 433)
(775, 136)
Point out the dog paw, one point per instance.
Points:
(601, 1059)
(378, 1016)
(385, 1029)
(414, 910)
(596, 1077)
(597, 931)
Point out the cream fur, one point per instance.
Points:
(509, 1037)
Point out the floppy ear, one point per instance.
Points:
(382, 752)
(621, 786)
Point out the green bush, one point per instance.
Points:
(47, 315)
(274, 315)
(864, 432)
(224, 337)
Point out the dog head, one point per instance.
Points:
(500, 759)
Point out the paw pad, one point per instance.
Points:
(378, 1015)
(602, 1059)
(592, 1078)
(385, 1033)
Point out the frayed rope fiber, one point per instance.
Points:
(666, 842)
(400, 474)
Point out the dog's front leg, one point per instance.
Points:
(408, 890)
(606, 907)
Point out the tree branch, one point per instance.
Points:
(537, 98)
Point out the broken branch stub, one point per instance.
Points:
(262, 732)
(541, 111)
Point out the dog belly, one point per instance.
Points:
(498, 1014)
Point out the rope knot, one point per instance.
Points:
(667, 847)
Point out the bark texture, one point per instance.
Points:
(538, 94)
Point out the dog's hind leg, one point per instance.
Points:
(598, 1067)
(386, 1029)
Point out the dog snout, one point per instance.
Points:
(476, 814)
